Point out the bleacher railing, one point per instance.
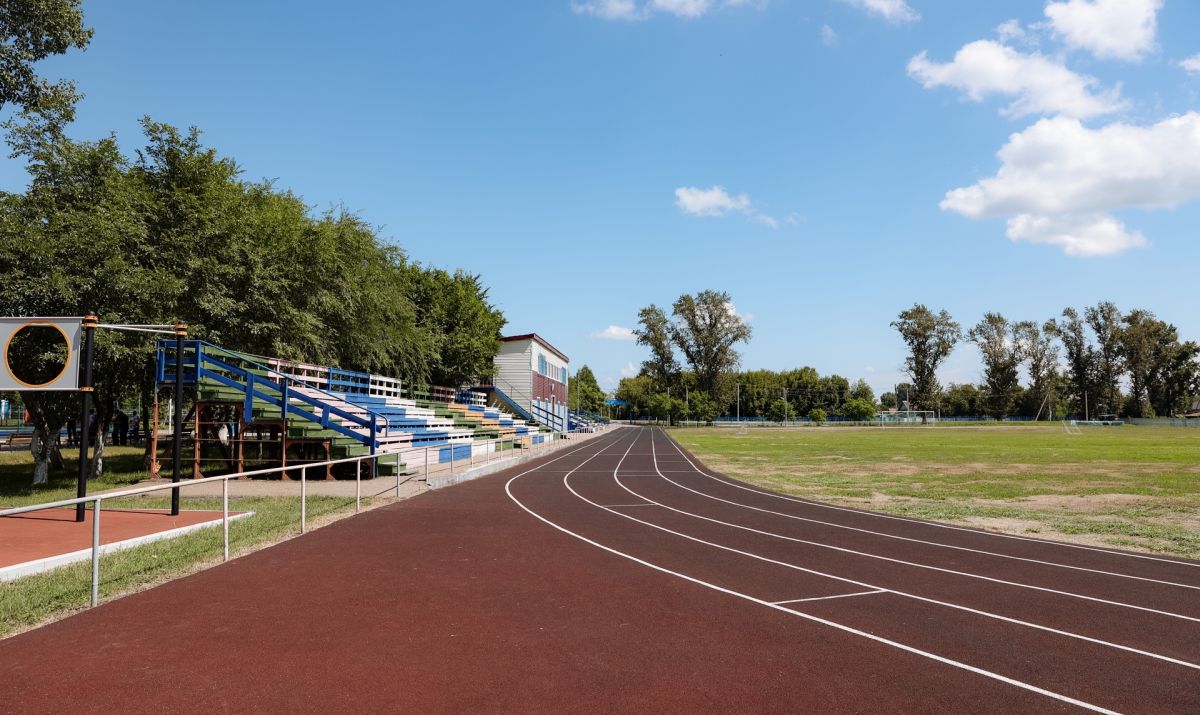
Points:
(199, 363)
(495, 447)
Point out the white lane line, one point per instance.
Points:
(801, 614)
(626, 506)
(827, 598)
(922, 541)
(860, 512)
(863, 584)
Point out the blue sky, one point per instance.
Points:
(589, 158)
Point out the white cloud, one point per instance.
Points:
(614, 332)
(1059, 181)
(629, 370)
(1087, 235)
(890, 10)
(829, 36)
(1038, 84)
(1109, 29)
(633, 10)
(716, 201)
(1191, 65)
(1010, 30)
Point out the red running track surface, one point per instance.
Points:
(624, 576)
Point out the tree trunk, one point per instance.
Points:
(39, 447)
(97, 469)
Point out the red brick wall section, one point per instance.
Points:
(543, 387)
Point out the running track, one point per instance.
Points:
(622, 575)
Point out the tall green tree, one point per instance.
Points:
(31, 31)
(930, 338)
(1040, 354)
(706, 329)
(1105, 321)
(654, 332)
(1000, 346)
(1081, 358)
(585, 392)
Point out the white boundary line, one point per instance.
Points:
(905, 594)
(799, 614)
(827, 598)
(918, 541)
(807, 502)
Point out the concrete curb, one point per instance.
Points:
(438, 481)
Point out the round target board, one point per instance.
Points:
(40, 353)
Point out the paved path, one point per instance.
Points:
(623, 576)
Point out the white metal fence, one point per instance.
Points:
(495, 449)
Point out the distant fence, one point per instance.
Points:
(1163, 422)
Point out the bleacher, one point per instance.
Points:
(318, 413)
(585, 420)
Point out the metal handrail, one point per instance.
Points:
(224, 479)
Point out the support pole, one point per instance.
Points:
(85, 409)
(177, 455)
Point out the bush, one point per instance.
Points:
(858, 410)
(817, 415)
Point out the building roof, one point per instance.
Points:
(539, 340)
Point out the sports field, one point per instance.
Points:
(1131, 487)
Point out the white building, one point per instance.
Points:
(531, 377)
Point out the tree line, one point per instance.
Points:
(174, 232)
(1099, 362)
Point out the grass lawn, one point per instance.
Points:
(45, 596)
(1129, 487)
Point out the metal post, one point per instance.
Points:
(177, 456)
(357, 485)
(452, 457)
(225, 513)
(427, 465)
(85, 410)
(96, 552)
(397, 475)
(303, 500)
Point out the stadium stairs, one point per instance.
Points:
(252, 412)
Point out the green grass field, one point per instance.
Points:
(1129, 487)
(41, 597)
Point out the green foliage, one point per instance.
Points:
(817, 415)
(654, 332)
(778, 411)
(176, 234)
(1001, 351)
(664, 407)
(930, 338)
(31, 31)
(584, 392)
(859, 410)
(702, 408)
(862, 391)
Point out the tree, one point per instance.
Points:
(1041, 358)
(779, 411)
(859, 410)
(1001, 358)
(585, 392)
(1105, 321)
(965, 400)
(1080, 356)
(930, 338)
(862, 391)
(705, 329)
(702, 407)
(655, 333)
(31, 31)
(817, 415)
(888, 400)
(636, 392)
